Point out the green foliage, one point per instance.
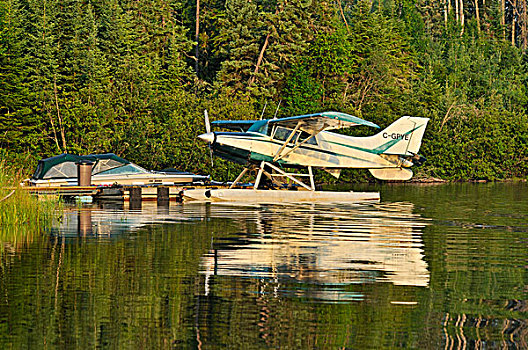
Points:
(474, 92)
(302, 92)
(239, 44)
(117, 76)
(21, 214)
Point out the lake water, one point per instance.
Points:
(443, 266)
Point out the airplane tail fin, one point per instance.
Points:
(399, 143)
(403, 137)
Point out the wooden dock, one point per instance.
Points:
(125, 193)
(163, 194)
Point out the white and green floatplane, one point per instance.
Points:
(269, 146)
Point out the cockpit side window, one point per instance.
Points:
(304, 135)
(282, 134)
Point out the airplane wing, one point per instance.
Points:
(315, 123)
(238, 125)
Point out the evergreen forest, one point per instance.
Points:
(133, 77)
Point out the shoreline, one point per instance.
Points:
(425, 181)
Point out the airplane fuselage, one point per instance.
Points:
(325, 150)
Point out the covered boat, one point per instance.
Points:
(107, 169)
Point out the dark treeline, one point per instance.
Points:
(133, 77)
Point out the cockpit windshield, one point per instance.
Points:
(261, 127)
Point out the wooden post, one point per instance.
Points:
(135, 197)
(163, 196)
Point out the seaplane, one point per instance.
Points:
(269, 147)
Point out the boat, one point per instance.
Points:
(107, 169)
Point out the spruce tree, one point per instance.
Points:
(239, 41)
(40, 52)
(18, 125)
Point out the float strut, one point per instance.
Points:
(259, 175)
(239, 178)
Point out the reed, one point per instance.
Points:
(22, 215)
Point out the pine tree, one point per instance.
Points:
(239, 42)
(93, 111)
(17, 123)
(288, 35)
(37, 22)
(385, 62)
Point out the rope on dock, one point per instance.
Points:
(6, 197)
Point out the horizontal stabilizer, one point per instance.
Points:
(333, 171)
(392, 173)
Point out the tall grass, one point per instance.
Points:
(22, 215)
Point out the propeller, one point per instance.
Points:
(208, 130)
(207, 123)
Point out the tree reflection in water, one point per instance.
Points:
(297, 276)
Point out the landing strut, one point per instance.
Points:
(276, 173)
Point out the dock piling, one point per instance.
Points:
(163, 196)
(84, 173)
(135, 197)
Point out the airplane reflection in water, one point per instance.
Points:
(326, 246)
(322, 244)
